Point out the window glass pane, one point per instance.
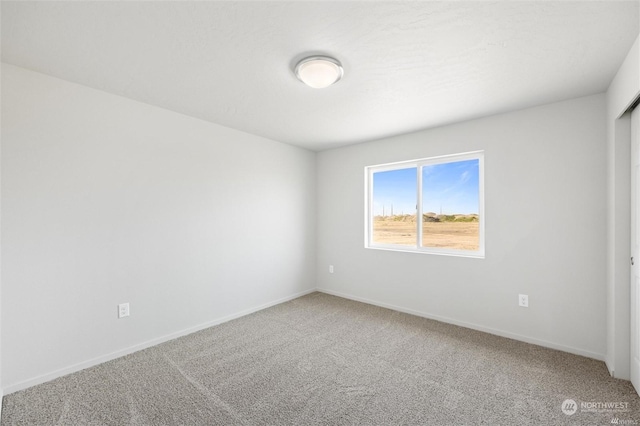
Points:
(450, 205)
(394, 207)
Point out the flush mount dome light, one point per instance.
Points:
(319, 71)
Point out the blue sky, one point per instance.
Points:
(448, 187)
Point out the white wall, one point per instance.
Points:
(545, 193)
(106, 200)
(1, 389)
(624, 89)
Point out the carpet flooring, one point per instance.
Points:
(321, 359)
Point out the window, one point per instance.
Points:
(445, 192)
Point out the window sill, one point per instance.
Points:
(443, 252)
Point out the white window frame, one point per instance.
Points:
(418, 164)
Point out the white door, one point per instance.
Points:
(635, 249)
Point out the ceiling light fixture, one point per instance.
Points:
(319, 71)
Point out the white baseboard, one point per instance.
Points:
(502, 333)
(611, 371)
(117, 354)
(144, 345)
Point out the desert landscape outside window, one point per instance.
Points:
(446, 193)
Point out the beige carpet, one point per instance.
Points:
(325, 360)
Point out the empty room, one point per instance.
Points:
(331, 212)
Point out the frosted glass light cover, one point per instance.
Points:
(319, 71)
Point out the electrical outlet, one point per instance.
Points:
(123, 310)
(523, 300)
(331, 269)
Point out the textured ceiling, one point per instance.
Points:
(408, 65)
